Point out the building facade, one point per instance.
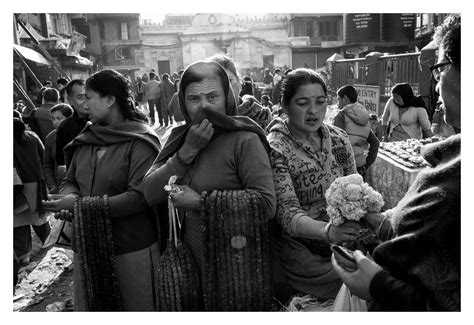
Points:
(47, 47)
(314, 38)
(115, 40)
(182, 39)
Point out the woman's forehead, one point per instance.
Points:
(208, 84)
(310, 89)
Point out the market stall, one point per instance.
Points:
(396, 167)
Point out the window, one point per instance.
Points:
(123, 53)
(268, 61)
(122, 30)
(101, 30)
(304, 28)
(328, 30)
(84, 30)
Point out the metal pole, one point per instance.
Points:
(23, 93)
(27, 68)
(43, 50)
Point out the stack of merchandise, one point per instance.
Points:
(407, 153)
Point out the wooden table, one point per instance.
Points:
(391, 179)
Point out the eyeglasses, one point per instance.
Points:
(438, 68)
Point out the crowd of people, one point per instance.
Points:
(266, 162)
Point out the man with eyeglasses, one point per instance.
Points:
(418, 264)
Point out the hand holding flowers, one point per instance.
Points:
(349, 198)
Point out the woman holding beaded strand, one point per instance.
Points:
(103, 186)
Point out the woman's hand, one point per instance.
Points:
(197, 138)
(62, 207)
(358, 281)
(186, 199)
(64, 203)
(373, 219)
(64, 215)
(348, 231)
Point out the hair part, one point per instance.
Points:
(297, 78)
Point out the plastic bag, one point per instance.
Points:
(345, 301)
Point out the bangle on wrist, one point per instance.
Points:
(326, 232)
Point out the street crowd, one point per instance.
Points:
(229, 214)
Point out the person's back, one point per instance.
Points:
(40, 121)
(167, 91)
(152, 89)
(27, 162)
(357, 126)
(353, 118)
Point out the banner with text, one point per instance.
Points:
(369, 96)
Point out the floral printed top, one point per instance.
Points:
(302, 175)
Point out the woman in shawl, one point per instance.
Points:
(406, 115)
(106, 164)
(248, 105)
(223, 170)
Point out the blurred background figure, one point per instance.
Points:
(53, 176)
(405, 116)
(40, 119)
(29, 189)
(248, 105)
(167, 91)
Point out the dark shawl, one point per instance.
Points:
(103, 136)
(221, 122)
(426, 223)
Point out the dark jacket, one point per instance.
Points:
(422, 248)
(40, 121)
(67, 131)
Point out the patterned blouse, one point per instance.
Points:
(302, 175)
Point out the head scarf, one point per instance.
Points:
(221, 122)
